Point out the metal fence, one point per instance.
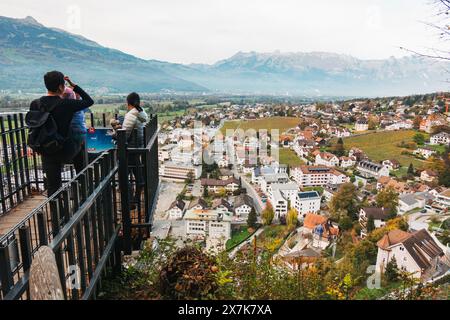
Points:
(88, 221)
(20, 168)
(138, 169)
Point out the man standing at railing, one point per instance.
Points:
(61, 112)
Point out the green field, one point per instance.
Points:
(383, 145)
(289, 157)
(280, 123)
(238, 236)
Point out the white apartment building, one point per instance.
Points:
(275, 178)
(307, 202)
(288, 190)
(279, 204)
(314, 176)
(443, 200)
(178, 171)
(370, 169)
(202, 224)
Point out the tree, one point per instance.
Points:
(190, 177)
(416, 122)
(267, 215)
(419, 139)
(292, 218)
(205, 192)
(391, 271)
(344, 202)
(251, 219)
(388, 199)
(372, 123)
(370, 224)
(345, 223)
(411, 170)
(444, 177)
(338, 148)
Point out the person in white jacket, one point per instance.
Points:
(136, 118)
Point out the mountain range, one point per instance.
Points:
(28, 49)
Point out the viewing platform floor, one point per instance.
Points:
(18, 213)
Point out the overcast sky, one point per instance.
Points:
(204, 31)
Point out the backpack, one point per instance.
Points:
(43, 136)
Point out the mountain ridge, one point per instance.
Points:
(28, 49)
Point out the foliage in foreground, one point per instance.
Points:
(167, 272)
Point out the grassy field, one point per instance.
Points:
(237, 237)
(280, 123)
(289, 157)
(383, 145)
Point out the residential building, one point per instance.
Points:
(391, 164)
(312, 176)
(370, 169)
(424, 152)
(443, 201)
(326, 159)
(428, 175)
(179, 171)
(329, 191)
(411, 201)
(347, 162)
(289, 190)
(379, 216)
(362, 125)
(176, 210)
(279, 204)
(222, 205)
(269, 179)
(198, 204)
(321, 228)
(307, 202)
(243, 204)
(204, 224)
(416, 253)
(440, 138)
(218, 185)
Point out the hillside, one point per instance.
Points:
(29, 49)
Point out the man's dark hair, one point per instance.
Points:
(134, 100)
(53, 80)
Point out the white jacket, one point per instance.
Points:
(135, 120)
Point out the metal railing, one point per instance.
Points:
(88, 221)
(138, 169)
(20, 168)
(80, 223)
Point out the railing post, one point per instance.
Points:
(25, 246)
(6, 277)
(42, 229)
(124, 185)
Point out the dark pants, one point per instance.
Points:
(80, 161)
(135, 162)
(52, 165)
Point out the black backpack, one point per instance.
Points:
(43, 136)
